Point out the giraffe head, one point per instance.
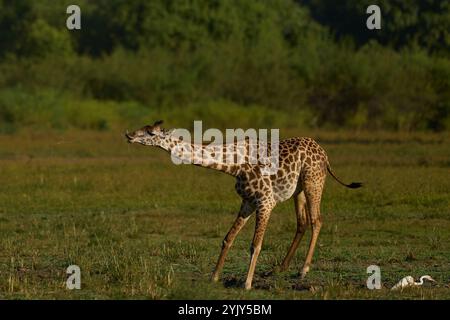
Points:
(150, 135)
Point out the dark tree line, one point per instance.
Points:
(311, 55)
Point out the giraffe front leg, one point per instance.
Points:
(226, 244)
(262, 218)
(244, 213)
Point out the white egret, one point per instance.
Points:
(408, 281)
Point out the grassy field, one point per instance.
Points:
(142, 228)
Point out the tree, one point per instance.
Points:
(415, 23)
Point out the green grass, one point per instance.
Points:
(142, 228)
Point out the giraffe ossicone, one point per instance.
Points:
(294, 168)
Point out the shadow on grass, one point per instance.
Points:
(264, 282)
(233, 282)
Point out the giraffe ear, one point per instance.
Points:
(158, 123)
(149, 129)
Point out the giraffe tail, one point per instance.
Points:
(353, 185)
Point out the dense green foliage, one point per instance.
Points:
(424, 23)
(132, 59)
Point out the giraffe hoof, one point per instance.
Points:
(303, 275)
(215, 278)
(304, 272)
(248, 286)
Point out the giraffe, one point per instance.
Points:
(303, 166)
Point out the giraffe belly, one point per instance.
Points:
(284, 190)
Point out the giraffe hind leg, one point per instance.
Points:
(313, 194)
(302, 223)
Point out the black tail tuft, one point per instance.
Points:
(354, 185)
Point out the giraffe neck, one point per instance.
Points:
(211, 157)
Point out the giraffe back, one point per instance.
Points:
(301, 159)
